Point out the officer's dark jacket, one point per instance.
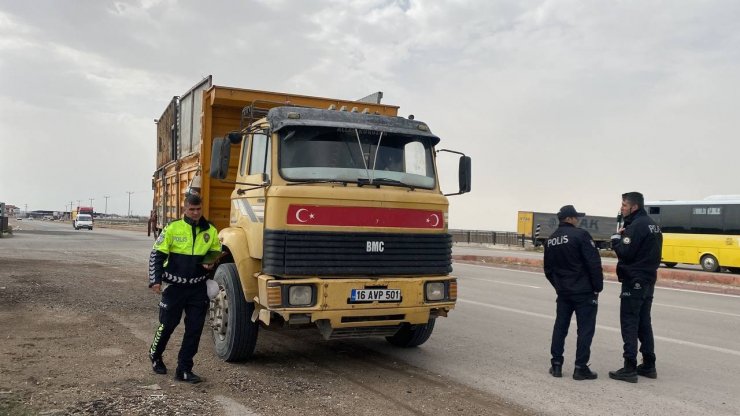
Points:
(178, 251)
(572, 262)
(638, 248)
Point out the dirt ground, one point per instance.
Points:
(74, 334)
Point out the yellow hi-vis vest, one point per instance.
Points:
(178, 251)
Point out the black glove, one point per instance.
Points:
(615, 239)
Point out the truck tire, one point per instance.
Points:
(709, 263)
(234, 333)
(670, 265)
(412, 335)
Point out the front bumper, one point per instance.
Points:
(332, 305)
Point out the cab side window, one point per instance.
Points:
(260, 156)
(243, 157)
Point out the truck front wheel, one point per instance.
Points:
(412, 335)
(234, 333)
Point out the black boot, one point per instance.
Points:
(584, 373)
(187, 376)
(627, 373)
(158, 365)
(556, 369)
(647, 368)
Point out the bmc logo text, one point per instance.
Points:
(375, 246)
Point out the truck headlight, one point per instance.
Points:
(435, 290)
(300, 295)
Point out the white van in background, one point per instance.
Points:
(83, 221)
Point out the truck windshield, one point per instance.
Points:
(356, 155)
(84, 217)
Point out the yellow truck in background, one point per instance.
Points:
(538, 226)
(330, 213)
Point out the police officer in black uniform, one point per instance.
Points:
(638, 246)
(176, 259)
(573, 267)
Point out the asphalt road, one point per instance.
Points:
(497, 340)
(122, 246)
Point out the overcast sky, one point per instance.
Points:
(558, 102)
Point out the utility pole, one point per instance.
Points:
(91, 199)
(26, 209)
(129, 202)
(70, 209)
(106, 204)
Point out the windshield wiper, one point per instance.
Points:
(303, 182)
(383, 181)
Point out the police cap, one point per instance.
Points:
(568, 211)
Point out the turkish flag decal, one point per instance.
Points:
(364, 217)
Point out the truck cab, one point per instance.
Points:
(337, 222)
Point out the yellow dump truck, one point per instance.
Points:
(330, 213)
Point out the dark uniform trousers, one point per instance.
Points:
(176, 299)
(585, 306)
(634, 315)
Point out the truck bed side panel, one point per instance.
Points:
(219, 121)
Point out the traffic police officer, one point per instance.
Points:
(176, 259)
(573, 267)
(638, 246)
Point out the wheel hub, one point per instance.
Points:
(709, 263)
(219, 313)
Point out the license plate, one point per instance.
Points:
(371, 295)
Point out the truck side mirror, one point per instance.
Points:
(220, 153)
(465, 172)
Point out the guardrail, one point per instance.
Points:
(488, 237)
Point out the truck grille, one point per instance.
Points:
(347, 254)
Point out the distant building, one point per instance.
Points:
(11, 211)
(40, 214)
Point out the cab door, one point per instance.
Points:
(248, 197)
